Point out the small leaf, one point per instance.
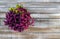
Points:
(16, 11)
(18, 6)
(10, 9)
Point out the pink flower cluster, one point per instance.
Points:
(18, 21)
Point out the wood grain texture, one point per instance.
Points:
(46, 14)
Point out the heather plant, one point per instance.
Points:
(18, 18)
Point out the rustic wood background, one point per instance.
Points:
(46, 14)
